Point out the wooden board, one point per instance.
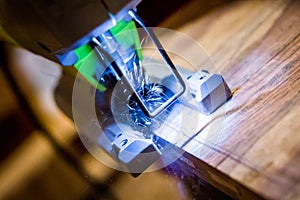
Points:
(253, 142)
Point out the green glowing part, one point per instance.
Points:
(87, 65)
(126, 34)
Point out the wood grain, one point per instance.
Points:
(256, 47)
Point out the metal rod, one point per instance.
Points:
(167, 60)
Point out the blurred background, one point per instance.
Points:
(41, 156)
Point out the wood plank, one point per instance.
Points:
(255, 139)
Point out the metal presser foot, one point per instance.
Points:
(132, 134)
